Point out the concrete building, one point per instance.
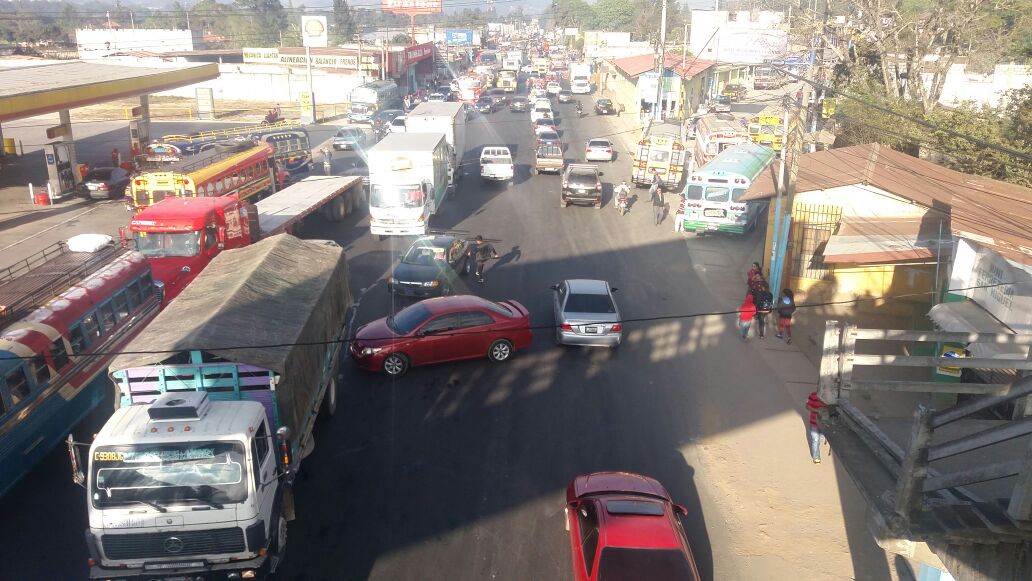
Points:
(632, 82)
(610, 45)
(981, 89)
(94, 43)
(868, 221)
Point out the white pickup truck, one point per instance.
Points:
(496, 164)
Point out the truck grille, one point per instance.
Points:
(173, 544)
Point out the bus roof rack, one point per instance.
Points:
(31, 282)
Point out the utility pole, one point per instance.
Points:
(791, 149)
(657, 110)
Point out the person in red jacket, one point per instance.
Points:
(746, 314)
(813, 431)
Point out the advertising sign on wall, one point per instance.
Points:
(335, 59)
(751, 46)
(459, 37)
(314, 31)
(419, 52)
(411, 6)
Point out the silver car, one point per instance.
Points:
(349, 138)
(586, 313)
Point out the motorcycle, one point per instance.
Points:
(623, 202)
(272, 116)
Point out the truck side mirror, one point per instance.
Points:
(73, 456)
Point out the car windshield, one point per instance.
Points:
(549, 136)
(549, 151)
(724, 100)
(408, 319)
(162, 245)
(168, 473)
(605, 102)
(398, 122)
(396, 196)
(423, 255)
(496, 159)
(598, 143)
(589, 303)
(626, 564)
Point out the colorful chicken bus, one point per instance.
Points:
(714, 134)
(712, 200)
(245, 170)
(661, 149)
(64, 314)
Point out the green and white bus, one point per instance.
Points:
(712, 199)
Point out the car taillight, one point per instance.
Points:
(103, 186)
(598, 187)
(616, 328)
(566, 184)
(609, 151)
(566, 327)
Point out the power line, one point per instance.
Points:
(927, 124)
(649, 319)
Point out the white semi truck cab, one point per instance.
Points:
(192, 477)
(186, 488)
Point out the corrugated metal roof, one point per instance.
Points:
(869, 240)
(994, 213)
(633, 66)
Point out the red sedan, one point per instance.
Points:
(624, 526)
(442, 329)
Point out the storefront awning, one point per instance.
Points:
(968, 317)
(869, 240)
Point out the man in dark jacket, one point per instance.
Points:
(658, 205)
(482, 252)
(786, 308)
(764, 305)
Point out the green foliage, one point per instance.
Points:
(1008, 126)
(344, 28)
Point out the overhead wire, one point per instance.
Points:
(647, 319)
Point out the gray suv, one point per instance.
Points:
(582, 185)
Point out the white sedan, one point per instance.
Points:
(527, 69)
(553, 88)
(598, 150)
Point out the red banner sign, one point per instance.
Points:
(419, 52)
(411, 6)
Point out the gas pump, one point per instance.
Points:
(139, 136)
(60, 173)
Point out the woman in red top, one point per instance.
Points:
(746, 313)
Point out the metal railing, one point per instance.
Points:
(924, 491)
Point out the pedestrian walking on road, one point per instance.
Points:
(327, 161)
(482, 252)
(619, 109)
(786, 308)
(746, 314)
(813, 431)
(658, 205)
(753, 271)
(764, 301)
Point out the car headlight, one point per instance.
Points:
(391, 280)
(371, 350)
(432, 283)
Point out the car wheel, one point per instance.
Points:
(280, 541)
(500, 350)
(395, 364)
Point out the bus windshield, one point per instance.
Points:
(160, 474)
(399, 196)
(161, 245)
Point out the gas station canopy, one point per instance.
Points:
(37, 90)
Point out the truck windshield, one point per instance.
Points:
(161, 245)
(181, 472)
(401, 196)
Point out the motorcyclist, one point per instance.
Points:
(580, 109)
(622, 192)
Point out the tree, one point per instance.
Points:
(265, 20)
(897, 36)
(615, 14)
(343, 21)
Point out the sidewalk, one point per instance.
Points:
(780, 516)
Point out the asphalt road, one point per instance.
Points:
(458, 471)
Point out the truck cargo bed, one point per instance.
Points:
(284, 208)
